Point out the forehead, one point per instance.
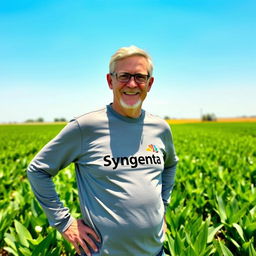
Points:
(132, 64)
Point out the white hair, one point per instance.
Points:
(126, 52)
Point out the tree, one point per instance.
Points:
(40, 120)
(209, 117)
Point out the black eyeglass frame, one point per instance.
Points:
(130, 76)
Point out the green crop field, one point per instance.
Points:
(213, 205)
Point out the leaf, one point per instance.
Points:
(23, 233)
(250, 228)
(224, 249)
(201, 240)
(43, 246)
(235, 243)
(236, 216)
(190, 251)
(35, 208)
(25, 251)
(178, 245)
(170, 244)
(188, 238)
(221, 209)
(10, 250)
(10, 239)
(55, 252)
(239, 230)
(253, 210)
(252, 251)
(67, 245)
(212, 232)
(209, 250)
(246, 245)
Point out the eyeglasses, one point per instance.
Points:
(124, 77)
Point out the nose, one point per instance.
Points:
(131, 83)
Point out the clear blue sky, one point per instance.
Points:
(54, 55)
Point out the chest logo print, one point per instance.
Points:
(152, 148)
(134, 161)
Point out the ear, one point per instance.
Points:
(150, 83)
(109, 80)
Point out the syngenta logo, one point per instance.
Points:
(152, 148)
(133, 161)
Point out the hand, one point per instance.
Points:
(78, 235)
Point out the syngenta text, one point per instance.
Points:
(132, 161)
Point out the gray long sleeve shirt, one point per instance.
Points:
(125, 169)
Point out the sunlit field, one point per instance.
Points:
(213, 205)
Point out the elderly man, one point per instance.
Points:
(125, 166)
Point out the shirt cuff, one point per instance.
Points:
(63, 226)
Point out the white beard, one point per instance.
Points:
(134, 106)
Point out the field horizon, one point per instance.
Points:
(169, 121)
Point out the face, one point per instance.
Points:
(129, 96)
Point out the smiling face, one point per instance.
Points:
(129, 96)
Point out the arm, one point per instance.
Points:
(65, 148)
(170, 164)
(168, 177)
(56, 155)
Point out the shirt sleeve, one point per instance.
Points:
(56, 155)
(170, 164)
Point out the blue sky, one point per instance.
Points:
(54, 55)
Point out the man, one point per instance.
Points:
(125, 166)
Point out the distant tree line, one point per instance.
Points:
(62, 119)
(41, 120)
(38, 120)
(206, 117)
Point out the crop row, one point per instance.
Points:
(213, 205)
